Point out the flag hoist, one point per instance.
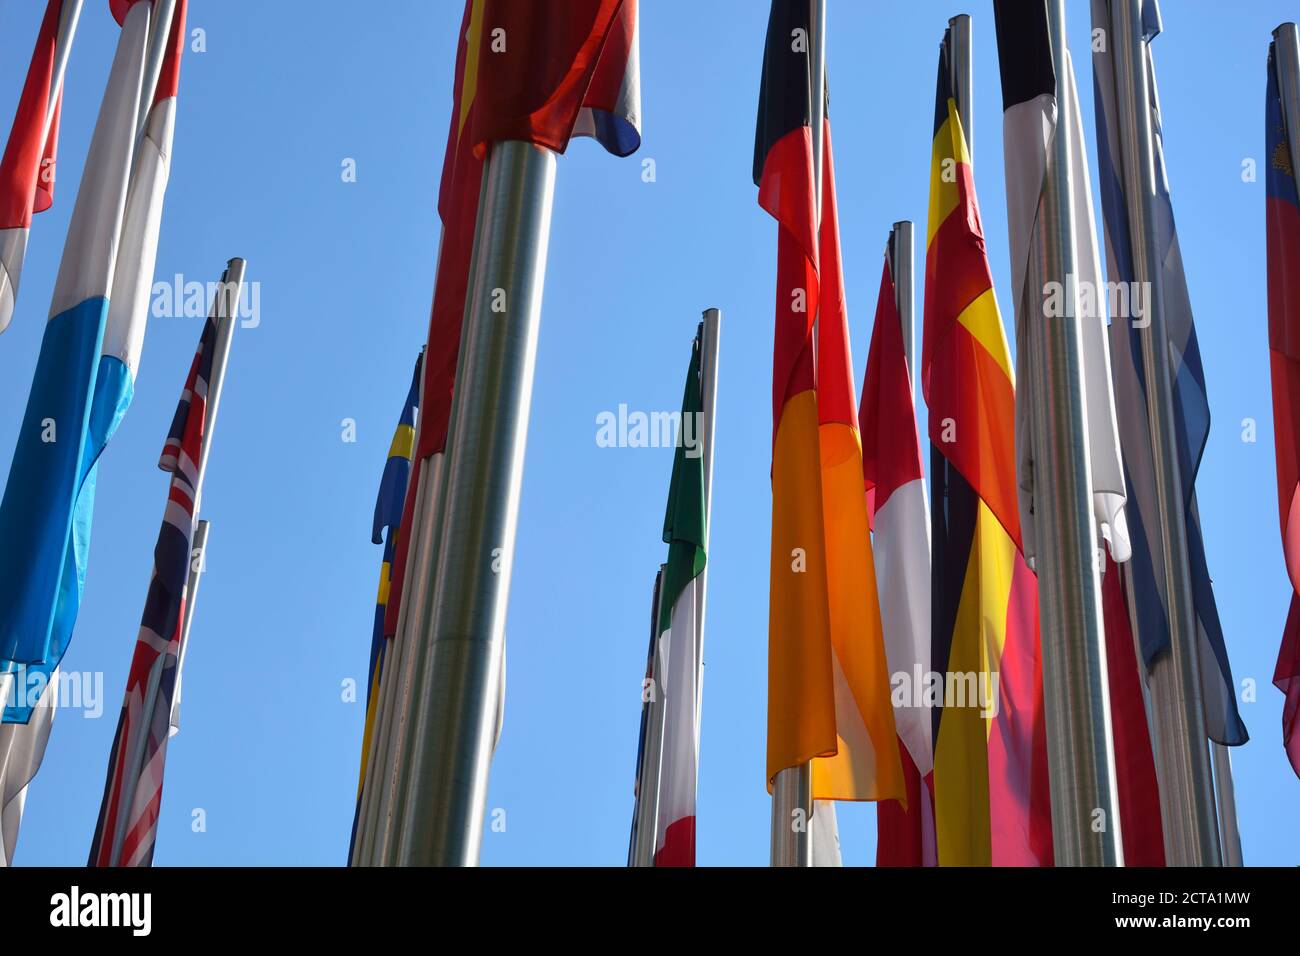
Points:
(27, 169)
(1164, 422)
(550, 78)
(1281, 118)
(991, 798)
(831, 733)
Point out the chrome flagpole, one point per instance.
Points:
(160, 26)
(198, 561)
(792, 803)
(961, 72)
(224, 312)
(710, 340)
(901, 266)
(646, 820)
(442, 823)
(1080, 751)
(1179, 739)
(69, 15)
(1226, 795)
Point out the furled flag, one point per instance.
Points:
(1030, 100)
(576, 75)
(1283, 224)
(48, 502)
(1031, 92)
(388, 515)
(1145, 570)
(992, 804)
(828, 686)
(128, 813)
(679, 597)
(28, 166)
(896, 498)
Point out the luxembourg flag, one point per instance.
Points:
(46, 511)
(27, 169)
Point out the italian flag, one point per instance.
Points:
(680, 599)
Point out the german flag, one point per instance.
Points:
(828, 682)
(990, 774)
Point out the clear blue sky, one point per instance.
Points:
(286, 92)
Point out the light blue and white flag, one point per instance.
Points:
(77, 397)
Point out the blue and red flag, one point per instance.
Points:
(128, 814)
(1283, 226)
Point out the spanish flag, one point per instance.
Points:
(828, 683)
(990, 774)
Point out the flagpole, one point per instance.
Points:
(903, 270)
(1080, 751)
(1182, 757)
(1226, 796)
(69, 15)
(710, 339)
(160, 25)
(225, 314)
(412, 624)
(792, 803)
(646, 819)
(1287, 43)
(198, 559)
(961, 72)
(442, 822)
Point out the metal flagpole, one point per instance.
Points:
(198, 560)
(961, 74)
(160, 26)
(411, 715)
(1182, 757)
(646, 819)
(903, 270)
(792, 803)
(709, 341)
(224, 313)
(69, 14)
(1226, 794)
(1080, 752)
(442, 821)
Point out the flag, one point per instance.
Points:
(71, 410)
(128, 814)
(577, 75)
(28, 166)
(1191, 405)
(679, 598)
(893, 474)
(1033, 100)
(1032, 104)
(388, 515)
(1283, 228)
(990, 776)
(828, 689)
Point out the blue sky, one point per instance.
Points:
(283, 95)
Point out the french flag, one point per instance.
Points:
(72, 409)
(27, 169)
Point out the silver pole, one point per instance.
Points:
(69, 14)
(649, 773)
(709, 402)
(1182, 759)
(443, 818)
(1226, 794)
(160, 26)
(1080, 752)
(414, 721)
(199, 549)
(961, 74)
(224, 314)
(792, 804)
(902, 266)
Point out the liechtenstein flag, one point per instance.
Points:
(72, 410)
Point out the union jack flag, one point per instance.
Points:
(128, 815)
